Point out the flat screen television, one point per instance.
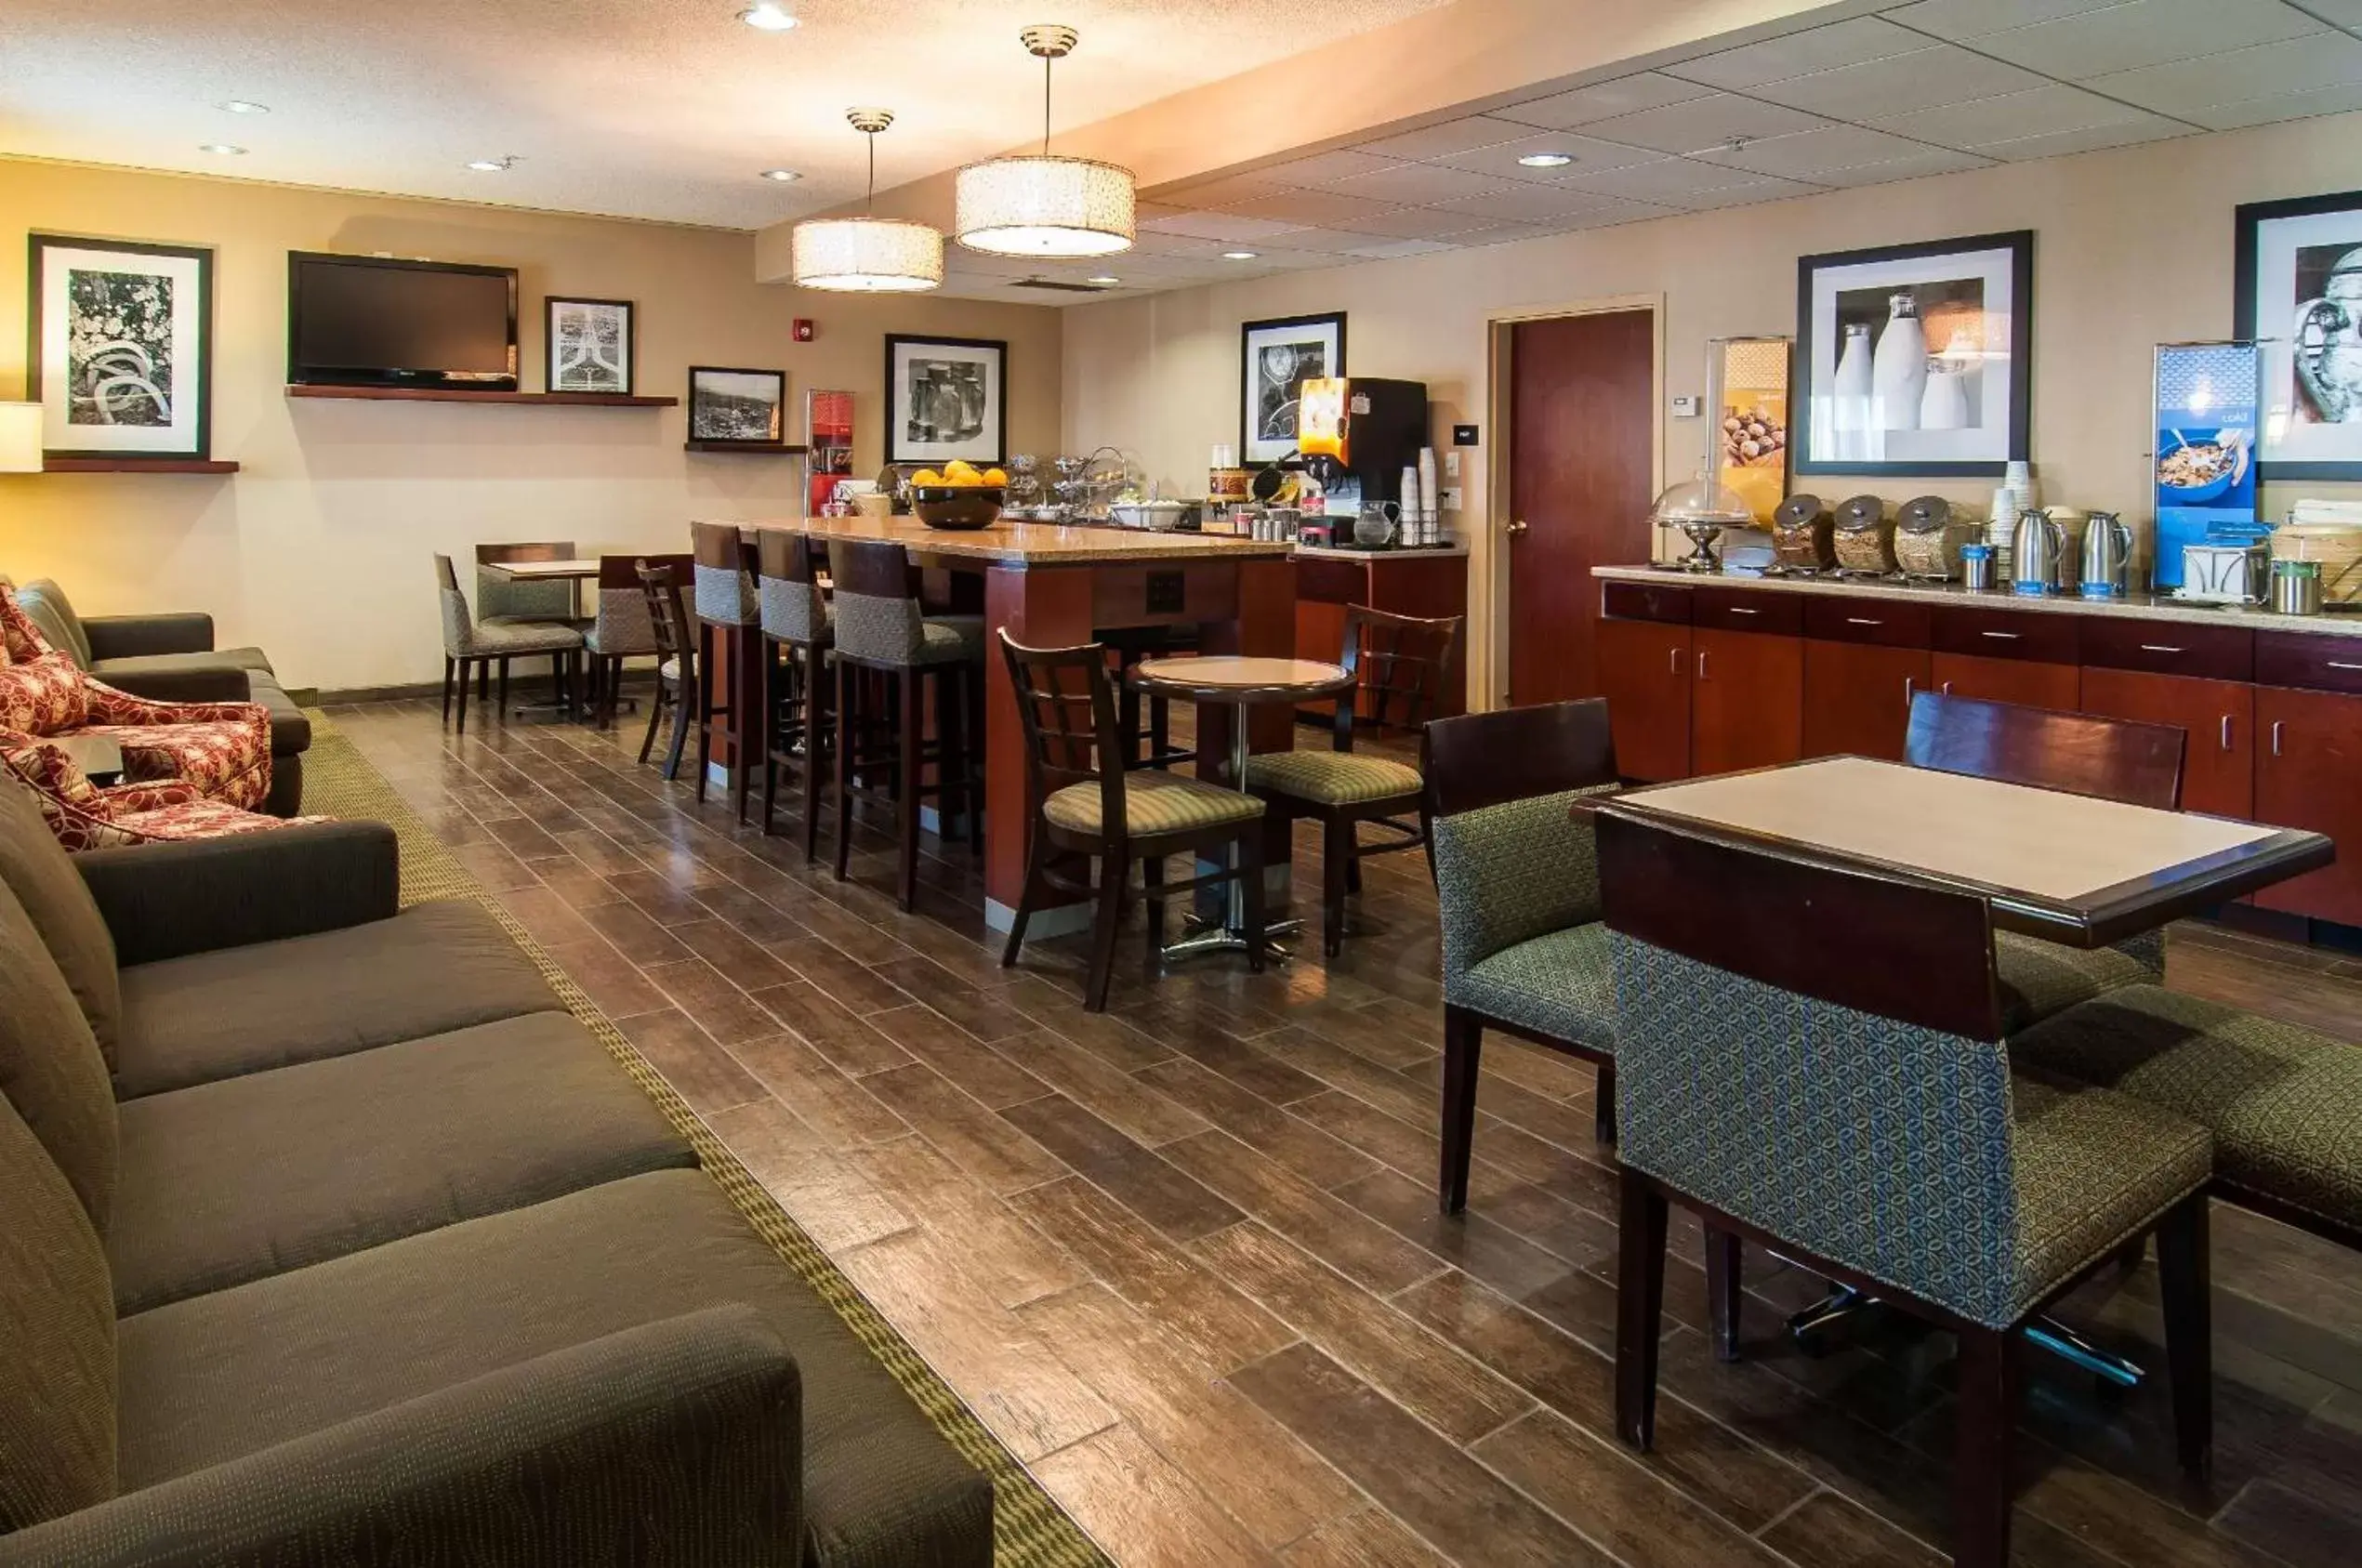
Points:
(372, 320)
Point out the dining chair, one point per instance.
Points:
(1813, 1057)
(799, 632)
(1082, 804)
(1402, 662)
(1518, 895)
(502, 598)
(482, 645)
(728, 618)
(2077, 754)
(621, 626)
(669, 625)
(881, 628)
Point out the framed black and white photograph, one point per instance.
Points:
(1916, 359)
(121, 349)
(946, 398)
(744, 407)
(2298, 292)
(1276, 357)
(592, 345)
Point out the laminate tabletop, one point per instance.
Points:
(1032, 544)
(1230, 678)
(544, 570)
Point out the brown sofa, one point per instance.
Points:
(333, 1239)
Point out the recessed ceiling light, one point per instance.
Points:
(1240, 255)
(493, 165)
(768, 16)
(1547, 160)
(240, 106)
(782, 175)
(223, 149)
(1104, 280)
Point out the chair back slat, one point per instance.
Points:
(1401, 660)
(2075, 753)
(1479, 759)
(498, 594)
(723, 575)
(668, 616)
(1067, 704)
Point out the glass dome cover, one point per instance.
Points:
(1702, 499)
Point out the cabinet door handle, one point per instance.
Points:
(2226, 731)
(2001, 636)
(2337, 664)
(1906, 691)
(1736, 610)
(1672, 661)
(1701, 663)
(1948, 688)
(2276, 726)
(2158, 647)
(1863, 621)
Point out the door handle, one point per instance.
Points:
(2226, 731)
(2277, 725)
(1516, 530)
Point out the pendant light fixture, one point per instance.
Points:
(1035, 205)
(868, 255)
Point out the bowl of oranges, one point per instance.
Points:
(961, 496)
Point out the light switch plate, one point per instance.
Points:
(1451, 462)
(1451, 498)
(1685, 408)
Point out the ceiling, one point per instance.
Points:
(665, 109)
(1924, 88)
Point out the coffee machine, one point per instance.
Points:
(1357, 434)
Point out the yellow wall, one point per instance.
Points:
(2132, 248)
(318, 551)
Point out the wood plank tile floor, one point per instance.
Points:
(1184, 1257)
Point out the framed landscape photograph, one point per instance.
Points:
(737, 407)
(1916, 359)
(2297, 291)
(592, 345)
(946, 398)
(1276, 357)
(121, 349)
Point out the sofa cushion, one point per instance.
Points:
(250, 659)
(50, 1069)
(215, 1376)
(37, 868)
(290, 726)
(42, 696)
(1557, 984)
(253, 1175)
(431, 968)
(45, 605)
(58, 1322)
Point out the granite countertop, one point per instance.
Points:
(2140, 607)
(1419, 552)
(1032, 544)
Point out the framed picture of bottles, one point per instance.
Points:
(945, 397)
(1916, 359)
(2297, 283)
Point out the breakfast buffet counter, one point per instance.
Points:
(1032, 544)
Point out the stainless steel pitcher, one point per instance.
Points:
(2037, 549)
(2107, 557)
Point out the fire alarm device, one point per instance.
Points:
(803, 329)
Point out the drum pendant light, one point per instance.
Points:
(868, 255)
(1035, 204)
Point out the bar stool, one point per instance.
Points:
(676, 659)
(797, 623)
(1130, 645)
(880, 627)
(729, 618)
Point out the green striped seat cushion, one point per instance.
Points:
(1332, 778)
(1153, 803)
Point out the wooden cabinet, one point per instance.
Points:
(1858, 697)
(1428, 586)
(2308, 756)
(2029, 682)
(1747, 699)
(1644, 674)
(2218, 769)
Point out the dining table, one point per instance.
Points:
(572, 569)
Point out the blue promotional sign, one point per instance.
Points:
(2207, 397)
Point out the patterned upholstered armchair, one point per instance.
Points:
(1812, 1056)
(83, 816)
(1518, 890)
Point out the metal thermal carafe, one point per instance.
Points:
(1802, 545)
(1357, 434)
(1864, 539)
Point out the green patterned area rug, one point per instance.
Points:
(1029, 1528)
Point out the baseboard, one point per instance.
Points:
(312, 697)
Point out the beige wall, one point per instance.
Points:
(2132, 248)
(318, 551)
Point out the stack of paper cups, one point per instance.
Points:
(1430, 515)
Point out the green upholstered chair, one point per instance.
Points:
(2076, 753)
(1403, 663)
(1812, 1056)
(2284, 1104)
(501, 597)
(1518, 892)
(1084, 805)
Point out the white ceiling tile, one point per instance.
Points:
(2043, 110)
(1324, 168)
(1226, 191)
(1703, 122)
(1766, 189)
(1667, 180)
(1798, 54)
(2292, 65)
(1452, 135)
(1336, 241)
(2144, 33)
(2284, 106)
(1533, 203)
(1393, 250)
(2338, 13)
(1809, 154)
(1155, 242)
(1588, 152)
(1309, 209)
(1922, 79)
(1220, 226)
(1625, 94)
(1618, 212)
(1914, 166)
(1421, 223)
(1501, 234)
(1974, 18)
(1280, 260)
(1423, 184)
(2148, 127)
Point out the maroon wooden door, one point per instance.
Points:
(1644, 674)
(2218, 766)
(1582, 426)
(1747, 702)
(2308, 753)
(1858, 697)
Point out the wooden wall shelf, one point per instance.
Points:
(750, 448)
(470, 394)
(136, 465)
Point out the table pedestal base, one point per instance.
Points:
(1205, 936)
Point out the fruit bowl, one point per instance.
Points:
(956, 506)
